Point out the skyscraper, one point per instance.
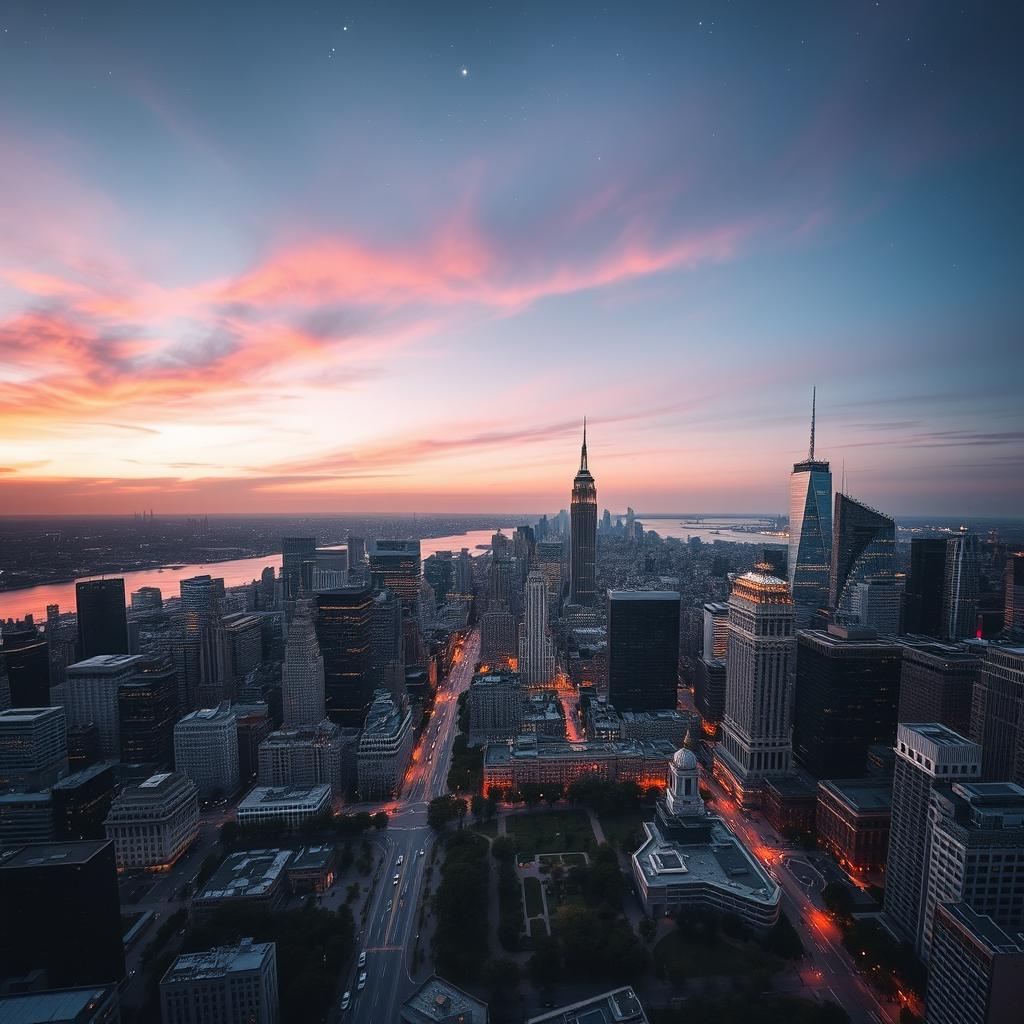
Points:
(387, 644)
(549, 562)
(960, 592)
(936, 684)
(206, 750)
(33, 748)
(926, 755)
(924, 586)
(102, 618)
(302, 675)
(202, 673)
(536, 655)
(756, 738)
(583, 534)
(863, 547)
(997, 713)
(26, 657)
(810, 533)
(343, 629)
(356, 559)
(395, 566)
(296, 554)
(643, 649)
(1013, 608)
(93, 687)
(147, 705)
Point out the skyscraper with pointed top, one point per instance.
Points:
(583, 534)
(810, 531)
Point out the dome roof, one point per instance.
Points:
(684, 760)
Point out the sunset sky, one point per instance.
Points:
(345, 256)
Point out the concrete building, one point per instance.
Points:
(497, 636)
(395, 565)
(385, 748)
(975, 853)
(302, 675)
(92, 688)
(97, 1004)
(303, 757)
(154, 822)
(344, 629)
(495, 706)
(997, 713)
(387, 645)
(312, 868)
(936, 683)
(621, 1006)
(531, 759)
(709, 687)
(543, 715)
(102, 618)
(147, 707)
(716, 631)
(691, 859)
(583, 534)
(853, 818)
(927, 755)
(227, 985)
(960, 586)
(976, 973)
(756, 737)
(25, 818)
(536, 651)
(253, 878)
(206, 750)
(33, 748)
(437, 1001)
(81, 802)
(289, 805)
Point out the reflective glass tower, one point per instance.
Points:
(810, 532)
(863, 547)
(583, 534)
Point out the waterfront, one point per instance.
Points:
(33, 600)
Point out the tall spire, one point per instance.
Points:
(583, 451)
(814, 399)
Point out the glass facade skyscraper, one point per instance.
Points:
(863, 547)
(643, 649)
(810, 534)
(395, 565)
(344, 632)
(102, 618)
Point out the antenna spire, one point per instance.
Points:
(814, 402)
(583, 451)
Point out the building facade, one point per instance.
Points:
(852, 820)
(287, 805)
(206, 750)
(936, 684)
(583, 535)
(93, 688)
(997, 713)
(102, 617)
(863, 547)
(536, 651)
(344, 629)
(385, 748)
(33, 748)
(643, 649)
(154, 822)
(495, 706)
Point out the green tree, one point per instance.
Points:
(545, 966)
(503, 848)
(533, 793)
(501, 975)
(380, 821)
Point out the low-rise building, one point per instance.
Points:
(543, 715)
(621, 1006)
(289, 805)
(385, 747)
(154, 822)
(256, 878)
(692, 859)
(98, 1004)
(227, 985)
(437, 1001)
(529, 759)
(789, 802)
(313, 867)
(853, 819)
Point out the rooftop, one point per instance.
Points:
(527, 747)
(250, 874)
(437, 1000)
(209, 716)
(104, 664)
(216, 963)
(861, 794)
(643, 595)
(59, 1006)
(620, 1006)
(267, 796)
(23, 715)
(54, 855)
(991, 936)
(312, 858)
(85, 775)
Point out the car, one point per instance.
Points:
(362, 981)
(396, 878)
(401, 857)
(391, 903)
(346, 1000)
(421, 851)
(362, 958)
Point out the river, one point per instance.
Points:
(15, 604)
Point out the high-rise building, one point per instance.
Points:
(385, 748)
(82, 801)
(847, 691)
(550, 554)
(387, 644)
(298, 558)
(310, 756)
(927, 755)
(344, 631)
(26, 658)
(1013, 607)
(497, 635)
(495, 706)
(960, 589)
(206, 750)
(716, 631)
(756, 741)
(709, 692)
(302, 676)
(357, 559)
(147, 599)
(242, 638)
(975, 853)
(33, 748)
(536, 652)
(997, 713)
(877, 603)
(253, 725)
(925, 585)
(583, 534)
(201, 666)
(936, 683)
(61, 913)
(102, 618)
(152, 823)
(147, 706)
(643, 649)
(976, 973)
(92, 688)
(333, 560)
(776, 557)
(395, 566)
(863, 547)
(810, 533)
(227, 985)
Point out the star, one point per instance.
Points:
(464, 72)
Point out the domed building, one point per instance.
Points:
(691, 858)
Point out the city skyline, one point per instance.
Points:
(278, 266)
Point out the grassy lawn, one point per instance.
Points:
(618, 828)
(700, 959)
(538, 927)
(551, 832)
(534, 897)
(485, 828)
